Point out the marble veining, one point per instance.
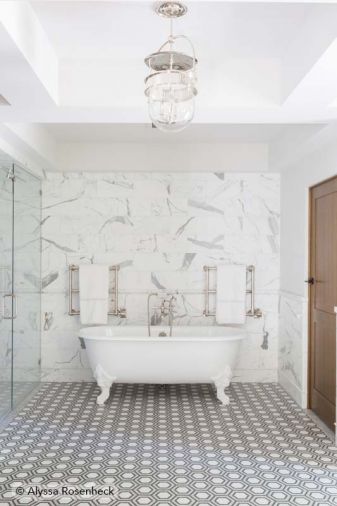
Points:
(161, 229)
(293, 352)
(19, 338)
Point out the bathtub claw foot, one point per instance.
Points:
(222, 397)
(221, 382)
(103, 396)
(104, 381)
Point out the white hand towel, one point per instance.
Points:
(94, 293)
(231, 294)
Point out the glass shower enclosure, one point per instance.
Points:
(20, 284)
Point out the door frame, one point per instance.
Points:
(308, 265)
(309, 292)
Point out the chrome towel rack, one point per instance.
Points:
(116, 311)
(252, 311)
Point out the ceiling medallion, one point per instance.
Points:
(171, 85)
(171, 9)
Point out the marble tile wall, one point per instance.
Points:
(161, 229)
(20, 269)
(5, 282)
(293, 346)
(27, 274)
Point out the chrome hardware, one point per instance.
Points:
(117, 311)
(171, 306)
(166, 309)
(48, 320)
(10, 174)
(122, 312)
(82, 343)
(252, 311)
(152, 294)
(14, 309)
(171, 9)
(255, 313)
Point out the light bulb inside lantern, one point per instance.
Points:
(171, 116)
(171, 99)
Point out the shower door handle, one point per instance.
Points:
(14, 307)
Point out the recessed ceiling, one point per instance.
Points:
(108, 133)
(258, 62)
(117, 30)
(75, 70)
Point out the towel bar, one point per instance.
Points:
(117, 311)
(253, 311)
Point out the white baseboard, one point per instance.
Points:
(66, 375)
(255, 376)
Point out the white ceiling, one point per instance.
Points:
(73, 71)
(83, 61)
(110, 133)
(119, 30)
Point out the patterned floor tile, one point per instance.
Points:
(171, 445)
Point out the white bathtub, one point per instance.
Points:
(126, 354)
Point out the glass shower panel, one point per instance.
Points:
(6, 288)
(26, 282)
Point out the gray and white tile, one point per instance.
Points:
(164, 445)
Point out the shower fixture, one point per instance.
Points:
(171, 85)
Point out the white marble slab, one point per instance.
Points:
(293, 346)
(161, 229)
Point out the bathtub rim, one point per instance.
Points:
(233, 334)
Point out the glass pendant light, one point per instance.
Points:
(171, 85)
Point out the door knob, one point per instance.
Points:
(310, 281)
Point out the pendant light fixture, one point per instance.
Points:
(171, 84)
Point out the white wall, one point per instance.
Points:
(165, 157)
(161, 228)
(293, 334)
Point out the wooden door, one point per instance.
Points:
(323, 300)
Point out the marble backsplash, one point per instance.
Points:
(293, 346)
(20, 216)
(161, 229)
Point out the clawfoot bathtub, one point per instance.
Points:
(126, 354)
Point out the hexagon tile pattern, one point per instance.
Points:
(169, 445)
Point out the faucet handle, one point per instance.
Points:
(122, 312)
